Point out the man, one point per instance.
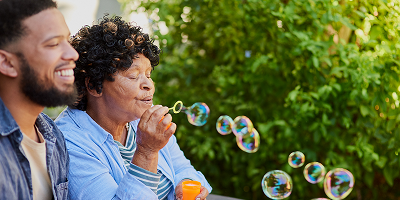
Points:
(36, 70)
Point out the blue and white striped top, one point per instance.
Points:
(158, 183)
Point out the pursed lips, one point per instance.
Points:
(147, 100)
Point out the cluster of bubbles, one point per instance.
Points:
(338, 183)
(197, 114)
(247, 137)
(276, 184)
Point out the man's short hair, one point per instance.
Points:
(13, 12)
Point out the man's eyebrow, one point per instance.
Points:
(56, 36)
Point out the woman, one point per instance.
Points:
(113, 154)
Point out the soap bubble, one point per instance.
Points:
(277, 184)
(338, 183)
(320, 199)
(296, 159)
(197, 114)
(314, 172)
(224, 125)
(242, 125)
(249, 143)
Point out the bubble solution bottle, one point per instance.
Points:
(190, 189)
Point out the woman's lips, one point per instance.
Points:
(147, 100)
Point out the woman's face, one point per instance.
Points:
(132, 91)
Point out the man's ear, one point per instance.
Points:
(7, 64)
(93, 91)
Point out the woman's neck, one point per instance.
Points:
(117, 128)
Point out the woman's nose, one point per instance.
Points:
(147, 84)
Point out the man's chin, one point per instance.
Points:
(67, 89)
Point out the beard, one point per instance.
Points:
(43, 92)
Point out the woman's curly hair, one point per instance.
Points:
(106, 48)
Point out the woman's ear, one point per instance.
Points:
(7, 64)
(93, 91)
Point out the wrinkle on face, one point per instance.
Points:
(130, 87)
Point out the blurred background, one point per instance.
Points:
(316, 76)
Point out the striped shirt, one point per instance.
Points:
(158, 183)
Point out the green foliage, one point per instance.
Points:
(325, 83)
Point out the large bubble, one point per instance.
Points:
(224, 125)
(250, 142)
(314, 172)
(296, 159)
(197, 114)
(242, 125)
(338, 183)
(277, 184)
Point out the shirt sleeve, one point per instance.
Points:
(182, 167)
(91, 179)
(150, 179)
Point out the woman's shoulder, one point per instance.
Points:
(79, 132)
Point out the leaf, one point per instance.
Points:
(381, 162)
(390, 125)
(347, 23)
(364, 110)
(259, 61)
(387, 173)
(315, 62)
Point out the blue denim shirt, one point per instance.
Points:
(15, 172)
(97, 170)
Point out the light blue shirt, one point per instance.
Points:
(97, 170)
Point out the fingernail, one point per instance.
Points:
(197, 198)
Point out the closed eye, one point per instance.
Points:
(53, 45)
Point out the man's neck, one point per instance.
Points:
(24, 112)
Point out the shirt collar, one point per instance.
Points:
(84, 121)
(7, 122)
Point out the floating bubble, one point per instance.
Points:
(197, 114)
(296, 159)
(338, 183)
(277, 184)
(320, 199)
(224, 125)
(250, 142)
(314, 172)
(242, 125)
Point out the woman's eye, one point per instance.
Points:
(53, 45)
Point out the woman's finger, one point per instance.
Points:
(158, 114)
(146, 115)
(203, 193)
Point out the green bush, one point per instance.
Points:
(318, 76)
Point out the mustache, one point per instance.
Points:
(65, 63)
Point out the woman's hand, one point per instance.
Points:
(179, 193)
(152, 135)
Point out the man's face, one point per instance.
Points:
(47, 60)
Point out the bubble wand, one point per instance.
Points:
(197, 114)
